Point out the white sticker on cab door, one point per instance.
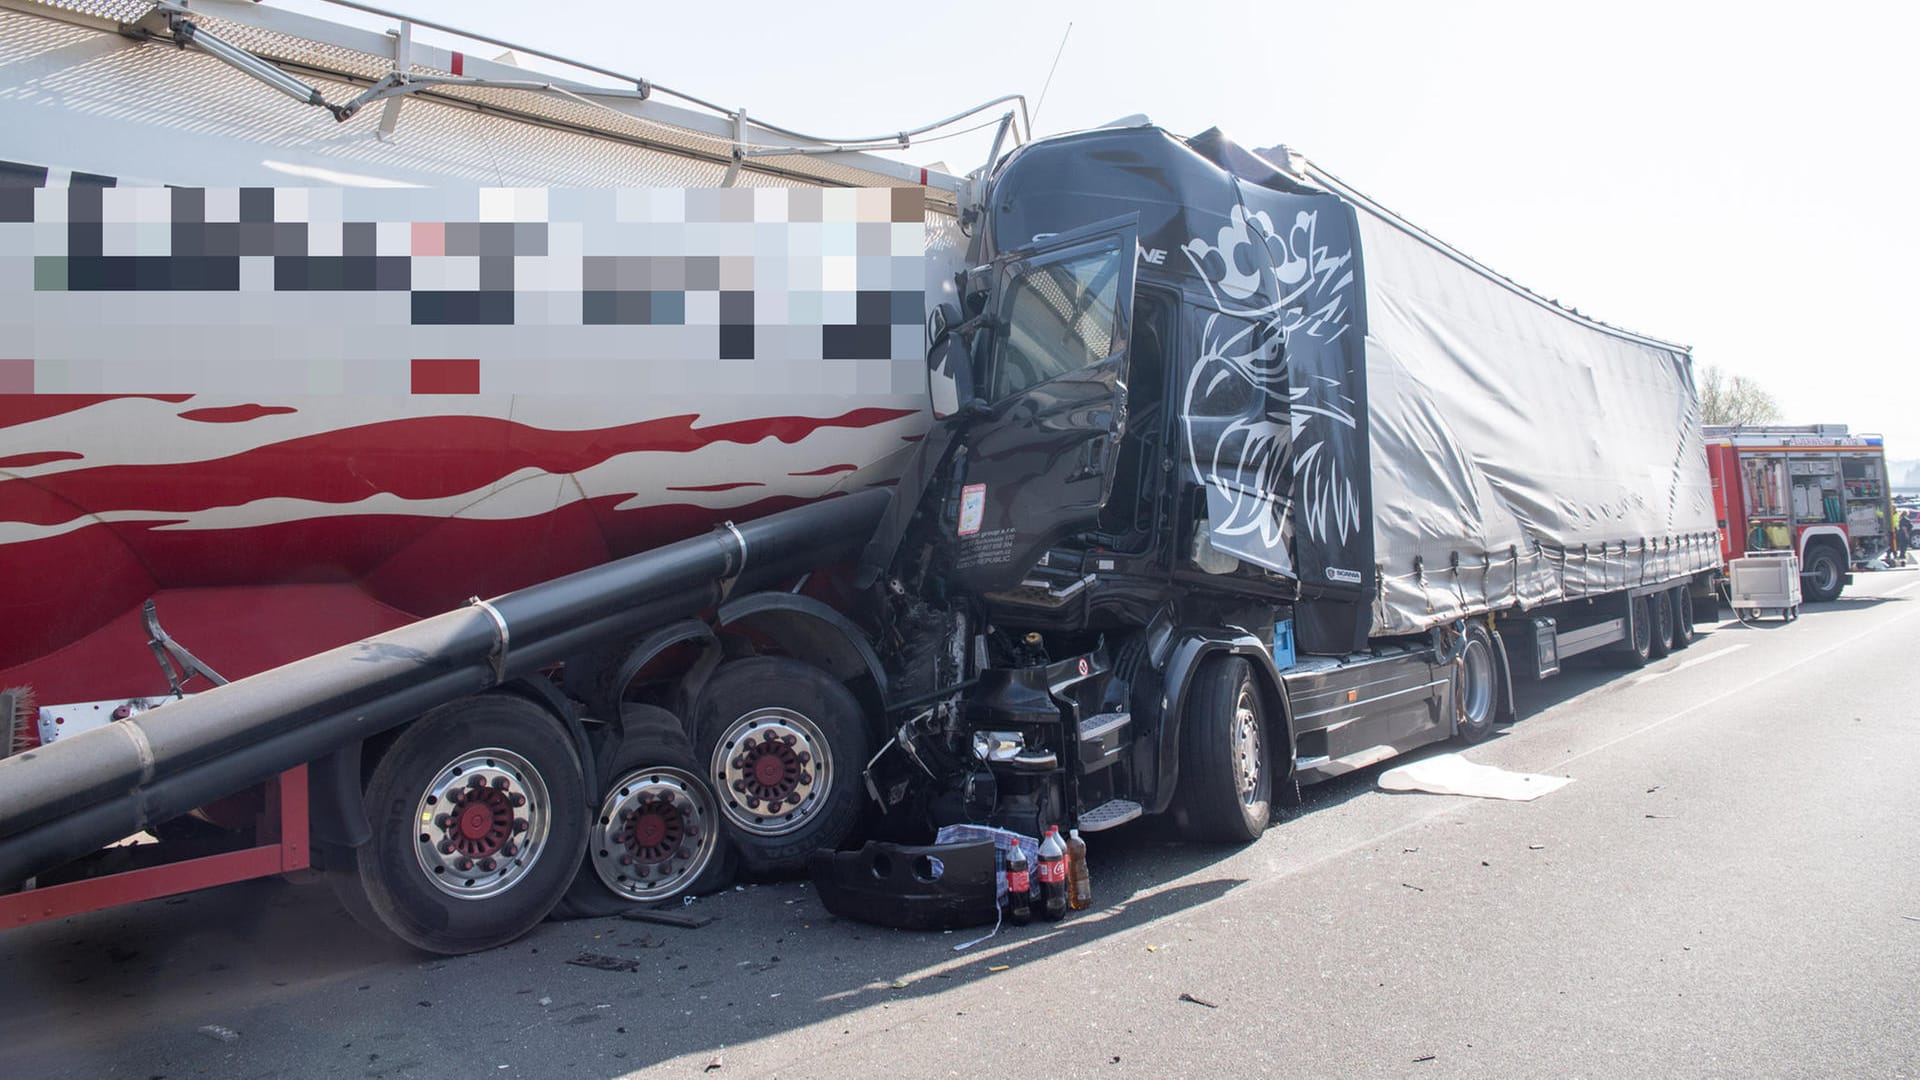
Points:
(973, 508)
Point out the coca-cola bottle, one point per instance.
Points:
(1053, 876)
(1019, 888)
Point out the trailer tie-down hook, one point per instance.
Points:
(498, 657)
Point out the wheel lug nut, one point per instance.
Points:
(739, 785)
(464, 864)
(501, 783)
(488, 865)
(739, 762)
(693, 830)
(644, 871)
(804, 757)
(519, 825)
(626, 860)
(510, 849)
(753, 804)
(789, 739)
(476, 782)
(443, 821)
(806, 778)
(517, 799)
(446, 847)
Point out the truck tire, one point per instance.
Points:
(1476, 687)
(1660, 606)
(657, 835)
(1226, 771)
(1683, 629)
(1638, 648)
(1826, 574)
(783, 743)
(479, 821)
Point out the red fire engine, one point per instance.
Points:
(1812, 489)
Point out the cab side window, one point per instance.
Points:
(1060, 316)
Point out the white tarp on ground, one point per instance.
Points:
(1451, 774)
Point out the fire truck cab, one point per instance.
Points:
(1813, 489)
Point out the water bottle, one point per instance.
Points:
(1080, 882)
(1053, 876)
(1019, 888)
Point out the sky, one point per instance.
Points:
(1737, 177)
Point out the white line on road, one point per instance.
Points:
(1741, 688)
(1695, 662)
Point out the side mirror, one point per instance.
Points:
(949, 363)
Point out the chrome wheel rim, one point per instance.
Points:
(1247, 745)
(771, 768)
(657, 832)
(482, 823)
(1476, 678)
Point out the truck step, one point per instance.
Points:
(1108, 814)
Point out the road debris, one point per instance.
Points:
(600, 962)
(1198, 1001)
(219, 1033)
(713, 1063)
(1536, 847)
(1415, 888)
(1000, 967)
(1423, 1057)
(667, 918)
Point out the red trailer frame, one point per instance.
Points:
(280, 847)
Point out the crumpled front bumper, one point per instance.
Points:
(911, 887)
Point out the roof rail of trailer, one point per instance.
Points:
(1775, 429)
(1296, 164)
(279, 47)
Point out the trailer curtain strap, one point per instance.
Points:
(498, 658)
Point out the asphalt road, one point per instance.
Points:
(1730, 886)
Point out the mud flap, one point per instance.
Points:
(909, 887)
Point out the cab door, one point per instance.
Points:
(1039, 449)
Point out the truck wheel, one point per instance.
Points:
(1638, 648)
(657, 835)
(1475, 687)
(1683, 629)
(1825, 576)
(784, 743)
(1660, 606)
(478, 813)
(1226, 775)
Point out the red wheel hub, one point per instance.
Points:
(655, 833)
(773, 770)
(481, 821)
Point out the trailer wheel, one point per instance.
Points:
(784, 743)
(1476, 691)
(1638, 648)
(1660, 606)
(1226, 773)
(479, 819)
(1683, 628)
(657, 835)
(1825, 575)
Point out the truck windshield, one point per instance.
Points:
(1060, 316)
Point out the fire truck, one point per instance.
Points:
(1812, 489)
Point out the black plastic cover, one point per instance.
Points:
(910, 887)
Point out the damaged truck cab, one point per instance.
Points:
(1108, 548)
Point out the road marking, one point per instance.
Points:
(1904, 588)
(1695, 662)
(1738, 689)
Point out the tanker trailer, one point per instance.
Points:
(311, 332)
